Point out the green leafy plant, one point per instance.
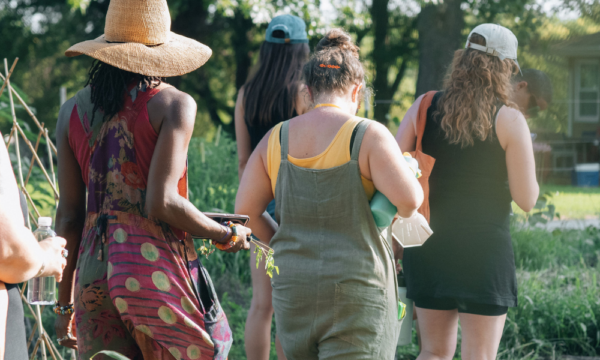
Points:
(261, 250)
(546, 211)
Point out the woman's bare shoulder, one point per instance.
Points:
(510, 124)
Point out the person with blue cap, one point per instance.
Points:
(274, 93)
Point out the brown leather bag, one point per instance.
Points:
(426, 162)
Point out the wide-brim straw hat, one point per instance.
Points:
(138, 38)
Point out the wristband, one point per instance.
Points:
(63, 310)
(227, 231)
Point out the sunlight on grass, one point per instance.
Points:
(572, 202)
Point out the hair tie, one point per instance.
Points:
(329, 66)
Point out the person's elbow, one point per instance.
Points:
(157, 204)
(19, 265)
(411, 203)
(528, 201)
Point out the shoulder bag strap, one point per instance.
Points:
(422, 117)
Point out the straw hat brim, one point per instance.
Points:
(179, 56)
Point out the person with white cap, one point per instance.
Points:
(481, 143)
(133, 278)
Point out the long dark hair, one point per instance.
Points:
(273, 89)
(109, 85)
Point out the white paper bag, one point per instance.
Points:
(413, 231)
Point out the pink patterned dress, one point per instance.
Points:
(140, 289)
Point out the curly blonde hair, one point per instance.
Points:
(475, 85)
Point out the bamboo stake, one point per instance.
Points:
(33, 329)
(14, 117)
(33, 219)
(28, 143)
(56, 351)
(37, 122)
(9, 74)
(37, 144)
(12, 131)
(31, 201)
(48, 343)
(41, 330)
(51, 161)
(37, 344)
(29, 306)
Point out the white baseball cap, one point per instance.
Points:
(499, 41)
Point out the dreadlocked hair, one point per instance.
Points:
(109, 84)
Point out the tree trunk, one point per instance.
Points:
(242, 47)
(379, 15)
(440, 35)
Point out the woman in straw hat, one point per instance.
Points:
(139, 288)
(484, 159)
(272, 95)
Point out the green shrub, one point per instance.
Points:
(537, 249)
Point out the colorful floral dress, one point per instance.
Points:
(140, 289)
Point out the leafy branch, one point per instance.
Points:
(261, 250)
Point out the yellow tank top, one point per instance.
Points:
(336, 154)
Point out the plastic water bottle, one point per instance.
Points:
(42, 290)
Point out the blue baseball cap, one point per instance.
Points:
(293, 28)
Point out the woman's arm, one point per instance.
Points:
(242, 136)
(515, 137)
(406, 137)
(71, 212)
(255, 193)
(21, 255)
(381, 160)
(178, 113)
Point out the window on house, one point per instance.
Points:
(587, 91)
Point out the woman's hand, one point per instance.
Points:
(64, 327)
(243, 241)
(55, 262)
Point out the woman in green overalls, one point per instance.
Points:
(336, 294)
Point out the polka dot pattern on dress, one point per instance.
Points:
(161, 281)
(121, 305)
(175, 352)
(120, 236)
(193, 352)
(167, 315)
(132, 284)
(144, 329)
(149, 252)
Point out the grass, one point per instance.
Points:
(572, 202)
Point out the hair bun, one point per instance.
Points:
(337, 38)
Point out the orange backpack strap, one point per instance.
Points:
(422, 117)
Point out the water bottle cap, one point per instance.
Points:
(45, 221)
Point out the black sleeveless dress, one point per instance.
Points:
(469, 256)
